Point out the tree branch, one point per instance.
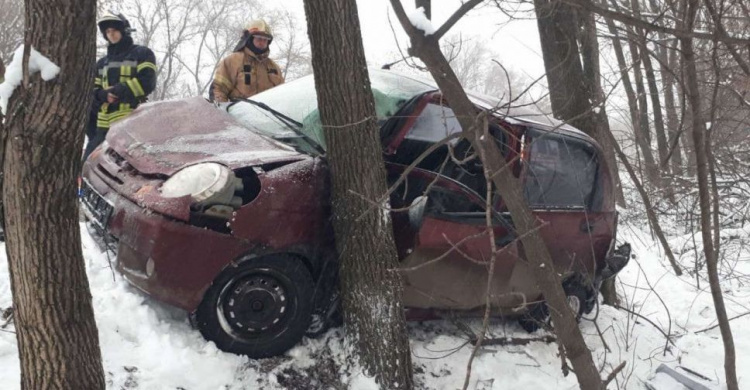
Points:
(636, 22)
(460, 12)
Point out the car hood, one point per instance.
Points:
(164, 137)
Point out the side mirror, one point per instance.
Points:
(416, 211)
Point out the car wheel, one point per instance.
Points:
(576, 296)
(260, 308)
(538, 315)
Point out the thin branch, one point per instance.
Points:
(460, 12)
(636, 22)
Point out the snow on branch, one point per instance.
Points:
(14, 73)
(419, 20)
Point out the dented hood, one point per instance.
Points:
(164, 137)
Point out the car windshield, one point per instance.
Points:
(298, 101)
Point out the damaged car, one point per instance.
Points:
(224, 210)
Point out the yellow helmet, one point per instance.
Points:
(259, 27)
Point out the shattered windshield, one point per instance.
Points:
(298, 101)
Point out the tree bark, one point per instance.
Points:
(427, 5)
(593, 82)
(641, 140)
(661, 138)
(57, 336)
(674, 126)
(371, 290)
(699, 141)
(427, 48)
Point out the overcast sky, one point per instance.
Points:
(515, 41)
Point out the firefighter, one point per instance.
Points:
(248, 70)
(124, 78)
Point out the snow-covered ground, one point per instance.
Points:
(146, 345)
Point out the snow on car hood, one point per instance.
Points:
(164, 137)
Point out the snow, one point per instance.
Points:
(14, 73)
(419, 20)
(147, 345)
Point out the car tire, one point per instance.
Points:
(260, 308)
(538, 315)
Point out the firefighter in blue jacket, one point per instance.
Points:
(124, 78)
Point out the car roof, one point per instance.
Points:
(515, 115)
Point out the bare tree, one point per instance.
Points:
(42, 138)
(371, 290)
(701, 154)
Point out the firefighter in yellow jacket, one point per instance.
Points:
(248, 70)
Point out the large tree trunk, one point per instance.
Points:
(558, 25)
(699, 141)
(57, 336)
(427, 48)
(371, 289)
(603, 134)
(593, 83)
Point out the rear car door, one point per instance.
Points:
(563, 184)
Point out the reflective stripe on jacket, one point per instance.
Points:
(131, 76)
(243, 74)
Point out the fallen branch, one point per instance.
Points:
(717, 325)
(613, 374)
(506, 341)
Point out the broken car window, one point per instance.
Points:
(561, 173)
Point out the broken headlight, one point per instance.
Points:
(213, 188)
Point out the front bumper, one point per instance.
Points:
(168, 259)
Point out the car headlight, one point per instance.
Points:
(201, 181)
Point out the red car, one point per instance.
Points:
(223, 210)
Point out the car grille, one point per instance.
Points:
(98, 209)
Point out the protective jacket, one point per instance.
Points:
(129, 72)
(243, 74)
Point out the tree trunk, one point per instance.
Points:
(640, 139)
(371, 290)
(57, 337)
(593, 82)
(427, 48)
(661, 138)
(427, 5)
(699, 141)
(558, 25)
(674, 127)
(603, 134)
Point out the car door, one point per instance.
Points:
(563, 186)
(445, 258)
(446, 249)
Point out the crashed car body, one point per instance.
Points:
(224, 210)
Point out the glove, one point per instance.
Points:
(100, 96)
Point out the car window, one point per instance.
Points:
(434, 124)
(560, 173)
